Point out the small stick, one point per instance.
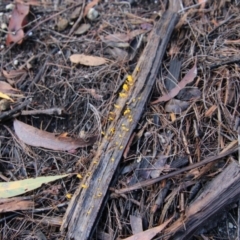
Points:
(50, 111)
(192, 166)
(8, 114)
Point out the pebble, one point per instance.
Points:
(230, 225)
(15, 62)
(4, 26)
(92, 14)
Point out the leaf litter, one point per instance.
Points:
(190, 126)
(39, 138)
(12, 189)
(17, 22)
(188, 78)
(87, 60)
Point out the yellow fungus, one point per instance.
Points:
(103, 133)
(127, 111)
(122, 95)
(112, 159)
(125, 87)
(112, 130)
(89, 211)
(110, 118)
(79, 176)
(95, 162)
(99, 194)
(68, 195)
(129, 78)
(120, 135)
(125, 129)
(88, 174)
(121, 147)
(84, 186)
(116, 106)
(130, 119)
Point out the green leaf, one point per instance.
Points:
(11, 189)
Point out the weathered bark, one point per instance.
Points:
(219, 193)
(88, 201)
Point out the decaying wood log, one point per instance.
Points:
(220, 192)
(88, 201)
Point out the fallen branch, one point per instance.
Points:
(88, 201)
(222, 191)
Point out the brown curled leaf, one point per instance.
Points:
(7, 88)
(39, 138)
(124, 37)
(188, 78)
(17, 21)
(150, 233)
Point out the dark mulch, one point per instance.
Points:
(201, 124)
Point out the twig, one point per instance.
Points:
(158, 179)
(10, 113)
(225, 62)
(50, 111)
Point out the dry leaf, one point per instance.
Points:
(14, 204)
(87, 60)
(189, 77)
(13, 73)
(124, 37)
(176, 106)
(118, 53)
(150, 233)
(117, 37)
(135, 33)
(5, 96)
(15, 188)
(38, 138)
(76, 13)
(82, 29)
(17, 21)
(7, 88)
(90, 5)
